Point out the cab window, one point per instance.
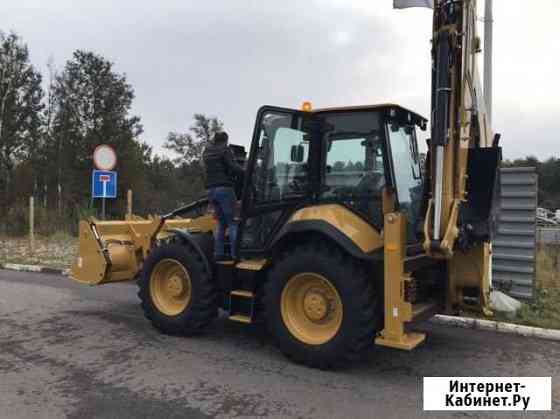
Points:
(281, 169)
(354, 173)
(407, 170)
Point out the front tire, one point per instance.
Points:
(176, 291)
(321, 306)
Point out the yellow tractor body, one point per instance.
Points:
(344, 239)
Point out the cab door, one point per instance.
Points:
(407, 173)
(279, 176)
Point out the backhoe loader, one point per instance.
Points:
(344, 239)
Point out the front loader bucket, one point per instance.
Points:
(113, 251)
(107, 253)
(91, 266)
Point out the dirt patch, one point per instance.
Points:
(55, 251)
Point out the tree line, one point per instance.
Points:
(51, 123)
(548, 172)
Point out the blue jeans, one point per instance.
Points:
(223, 199)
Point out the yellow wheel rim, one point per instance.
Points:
(170, 287)
(311, 308)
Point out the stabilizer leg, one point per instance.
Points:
(397, 310)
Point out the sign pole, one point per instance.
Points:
(488, 32)
(488, 44)
(103, 200)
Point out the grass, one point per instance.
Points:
(58, 250)
(544, 310)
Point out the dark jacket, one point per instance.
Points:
(221, 168)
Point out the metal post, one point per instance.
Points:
(32, 224)
(488, 34)
(438, 196)
(488, 40)
(129, 204)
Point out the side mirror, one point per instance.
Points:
(296, 154)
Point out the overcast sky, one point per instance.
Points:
(226, 58)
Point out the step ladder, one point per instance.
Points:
(241, 306)
(241, 279)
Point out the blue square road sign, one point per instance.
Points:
(104, 184)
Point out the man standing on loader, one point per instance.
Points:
(221, 170)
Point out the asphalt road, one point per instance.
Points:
(68, 350)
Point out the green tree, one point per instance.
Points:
(20, 112)
(92, 106)
(189, 145)
(548, 172)
(188, 173)
(549, 183)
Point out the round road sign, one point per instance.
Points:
(104, 157)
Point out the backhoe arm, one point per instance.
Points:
(462, 157)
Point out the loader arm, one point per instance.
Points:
(113, 251)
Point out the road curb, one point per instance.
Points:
(490, 325)
(34, 268)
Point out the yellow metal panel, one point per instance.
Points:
(242, 293)
(397, 310)
(251, 265)
(240, 318)
(226, 262)
(366, 237)
(203, 224)
(388, 201)
(470, 269)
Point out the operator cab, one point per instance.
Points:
(354, 156)
(369, 149)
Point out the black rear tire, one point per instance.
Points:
(201, 309)
(362, 309)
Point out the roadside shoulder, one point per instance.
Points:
(494, 326)
(34, 268)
